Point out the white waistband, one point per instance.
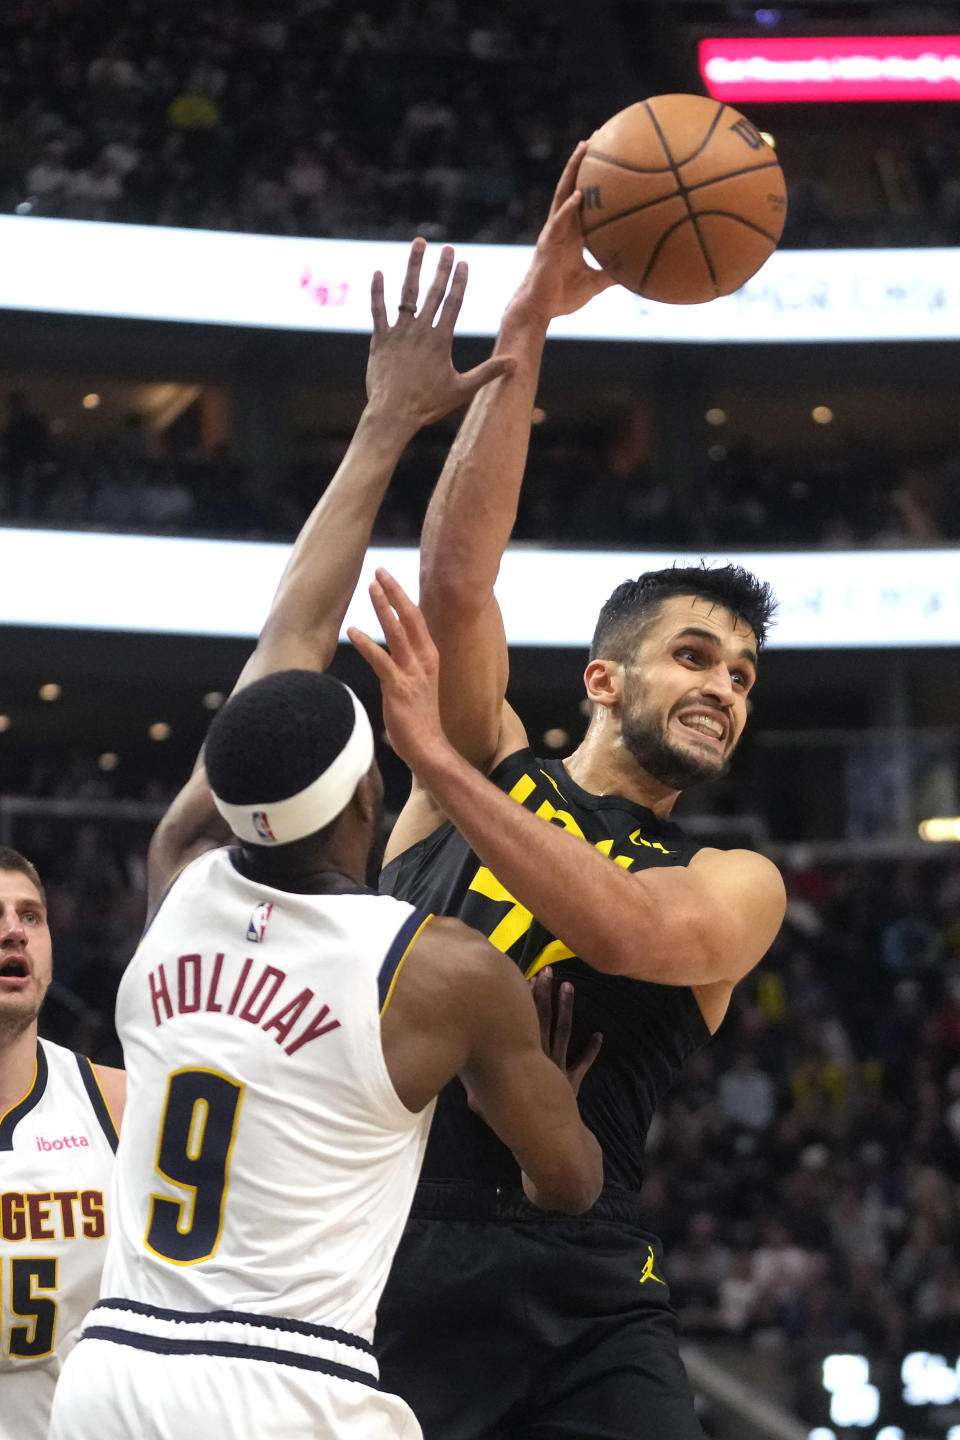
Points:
(258, 1332)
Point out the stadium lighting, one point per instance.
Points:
(832, 67)
(939, 828)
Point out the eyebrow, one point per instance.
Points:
(24, 902)
(712, 639)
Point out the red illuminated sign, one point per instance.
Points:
(848, 67)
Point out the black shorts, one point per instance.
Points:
(501, 1323)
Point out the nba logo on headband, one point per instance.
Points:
(262, 826)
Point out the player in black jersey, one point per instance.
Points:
(497, 1323)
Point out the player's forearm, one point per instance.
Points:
(647, 925)
(322, 573)
(473, 508)
(575, 1182)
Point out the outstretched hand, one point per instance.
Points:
(407, 672)
(556, 1021)
(410, 368)
(559, 280)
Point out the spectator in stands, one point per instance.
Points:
(747, 1094)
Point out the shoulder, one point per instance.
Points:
(461, 964)
(447, 944)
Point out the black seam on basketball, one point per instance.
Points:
(707, 138)
(622, 164)
(672, 195)
(735, 174)
(632, 210)
(750, 224)
(682, 191)
(664, 237)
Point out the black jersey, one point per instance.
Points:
(649, 1030)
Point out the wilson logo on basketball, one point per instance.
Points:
(748, 132)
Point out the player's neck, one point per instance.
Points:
(18, 1066)
(606, 769)
(306, 876)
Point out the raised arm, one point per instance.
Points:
(703, 924)
(460, 1007)
(411, 382)
(474, 506)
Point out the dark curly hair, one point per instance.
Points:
(634, 604)
(275, 737)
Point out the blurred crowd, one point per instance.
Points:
(806, 1175)
(316, 117)
(583, 486)
(324, 119)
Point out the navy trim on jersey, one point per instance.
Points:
(230, 1349)
(399, 948)
(23, 1107)
(239, 1317)
(95, 1096)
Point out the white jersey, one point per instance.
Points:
(56, 1159)
(266, 1165)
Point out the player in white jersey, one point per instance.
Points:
(410, 382)
(57, 1138)
(286, 1032)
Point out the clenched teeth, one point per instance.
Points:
(704, 723)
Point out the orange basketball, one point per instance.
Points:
(683, 199)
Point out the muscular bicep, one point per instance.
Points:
(743, 895)
(703, 923)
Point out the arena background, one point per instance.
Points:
(805, 1176)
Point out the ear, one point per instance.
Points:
(603, 680)
(365, 799)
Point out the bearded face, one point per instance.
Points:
(675, 761)
(684, 700)
(25, 953)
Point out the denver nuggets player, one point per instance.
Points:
(286, 1314)
(285, 1033)
(51, 1241)
(57, 1138)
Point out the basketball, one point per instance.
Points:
(683, 198)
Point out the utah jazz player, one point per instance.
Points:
(573, 866)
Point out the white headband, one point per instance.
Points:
(279, 822)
